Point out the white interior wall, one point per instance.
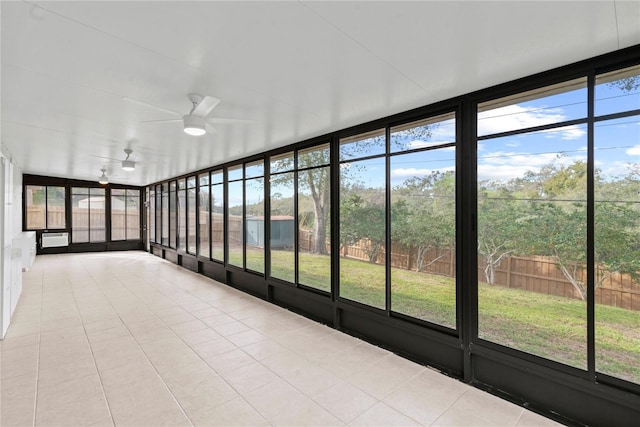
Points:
(10, 227)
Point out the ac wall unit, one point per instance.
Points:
(55, 240)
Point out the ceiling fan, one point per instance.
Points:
(127, 164)
(197, 121)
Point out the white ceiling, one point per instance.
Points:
(298, 69)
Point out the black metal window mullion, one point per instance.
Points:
(387, 219)
(296, 224)
(591, 361)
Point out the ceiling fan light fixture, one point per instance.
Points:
(102, 179)
(194, 125)
(128, 165)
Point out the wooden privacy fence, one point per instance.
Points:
(535, 274)
(87, 225)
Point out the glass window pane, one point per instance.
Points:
(191, 182)
(423, 235)
(235, 173)
(363, 145)
(118, 215)
(282, 227)
(181, 184)
(36, 197)
(314, 244)
(618, 91)
(236, 229)
(133, 215)
(217, 222)
(314, 156)
(254, 200)
(430, 132)
(217, 177)
(363, 231)
(204, 217)
(173, 218)
(152, 216)
(79, 215)
(203, 179)
(616, 249)
(254, 169)
(282, 163)
(56, 213)
(191, 220)
(532, 243)
(97, 215)
(547, 105)
(182, 220)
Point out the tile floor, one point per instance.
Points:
(127, 339)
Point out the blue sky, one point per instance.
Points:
(617, 142)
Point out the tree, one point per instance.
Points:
(500, 228)
(362, 220)
(424, 217)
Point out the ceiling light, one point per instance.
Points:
(194, 125)
(128, 165)
(103, 178)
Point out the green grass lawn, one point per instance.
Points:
(550, 326)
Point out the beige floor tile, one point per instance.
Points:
(381, 379)
(20, 341)
(199, 337)
(281, 404)
(345, 401)
(20, 329)
(17, 410)
(426, 397)
(383, 415)
(213, 348)
(262, 349)
(231, 328)
(312, 380)
(218, 320)
(531, 419)
(76, 409)
(245, 338)
(18, 362)
(229, 361)
(139, 370)
(491, 408)
(455, 417)
(234, 413)
(249, 377)
(55, 375)
(188, 326)
(147, 402)
(206, 392)
(17, 386)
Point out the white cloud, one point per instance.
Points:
(633, 151)
(504, 165)
(411, 172)
(513, 117)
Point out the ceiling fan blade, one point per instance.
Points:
(221, 121)
(106, 158)
(205, 106)
(146, 104)
(161, 121)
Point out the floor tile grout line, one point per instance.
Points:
(93, 357)
(142, 349)
(35, 400)
(201, 358)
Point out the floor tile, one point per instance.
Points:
(531, 419)
(491, 408)
(249, 377)
(236, 412)
(281, 404)
(383, 415)
(345, 401)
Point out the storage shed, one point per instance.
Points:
(282, 231)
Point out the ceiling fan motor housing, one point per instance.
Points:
(194, 125)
